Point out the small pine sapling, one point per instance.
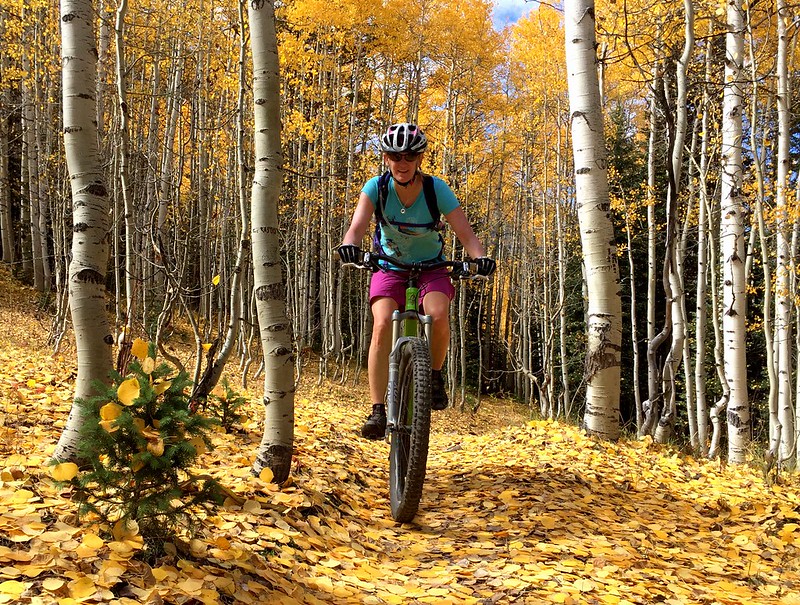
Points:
(225, 405)
(140, 441)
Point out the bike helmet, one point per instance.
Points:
(404, 137)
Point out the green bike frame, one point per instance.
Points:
(405, 325)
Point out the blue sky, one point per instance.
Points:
(508, 11)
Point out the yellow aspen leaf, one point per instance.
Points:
(162, 573)
(206, 346)
(266, 475)
(160, 387)
(92, 541)
(585, 585)
(64, 471)
(109, 426)
(128, 391)
(198, 548)
(215, 280)
(139, 349)
(137, 465)
(156, 447)
(190, 585)
(148, 365)
(120, 548)
(125, 528)
(331, 563)
(82, 588)
(110, 411)
(12, 587)
(198, 444)
(342, 592)
(53, 584)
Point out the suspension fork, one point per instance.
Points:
(405, 325)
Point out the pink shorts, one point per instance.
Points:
(392, 284)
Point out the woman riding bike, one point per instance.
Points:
(406, 204)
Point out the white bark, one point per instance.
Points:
(674, 260)
(90, 203)
(732, 239)
(275, 451)
(783, 304)
(604, 311)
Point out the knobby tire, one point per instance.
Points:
(408, 452)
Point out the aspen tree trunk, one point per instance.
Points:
(152, 176)
(275, 451)
(651, 406)
(90, 207)
(732, 238)
(237, 310)
(6, 223)
(795, 246)
(759, 154)
(673, 260)
(653, 373)
(566, 390)
(7, 239)
(703, 234)
(124, 184)
(689, 217)
(604, 312)
(165, 188)
(783, 318)
(31, 155)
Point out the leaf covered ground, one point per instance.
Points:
(513, 512)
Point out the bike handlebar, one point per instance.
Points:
(458, 269)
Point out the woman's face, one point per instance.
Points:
(403, 165)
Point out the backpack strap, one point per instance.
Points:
(383, 194)
(428, 189)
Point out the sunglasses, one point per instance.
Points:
(408, 157)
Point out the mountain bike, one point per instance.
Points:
(408, 396)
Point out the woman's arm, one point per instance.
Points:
(463, 230)
(360, 223)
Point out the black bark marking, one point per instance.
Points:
(97, 189)
(271, 292)
(90, 275)
(108, 339)
(277, 458)
(80, 227)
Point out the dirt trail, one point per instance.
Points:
(513, 512)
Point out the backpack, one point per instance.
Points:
(428, 190)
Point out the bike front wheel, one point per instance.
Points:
(408, 452)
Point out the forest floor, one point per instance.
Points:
(514, 511)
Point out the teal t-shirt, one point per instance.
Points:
(399, 237)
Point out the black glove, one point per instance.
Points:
(460, 271)
(486, 266)
(351, 254)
